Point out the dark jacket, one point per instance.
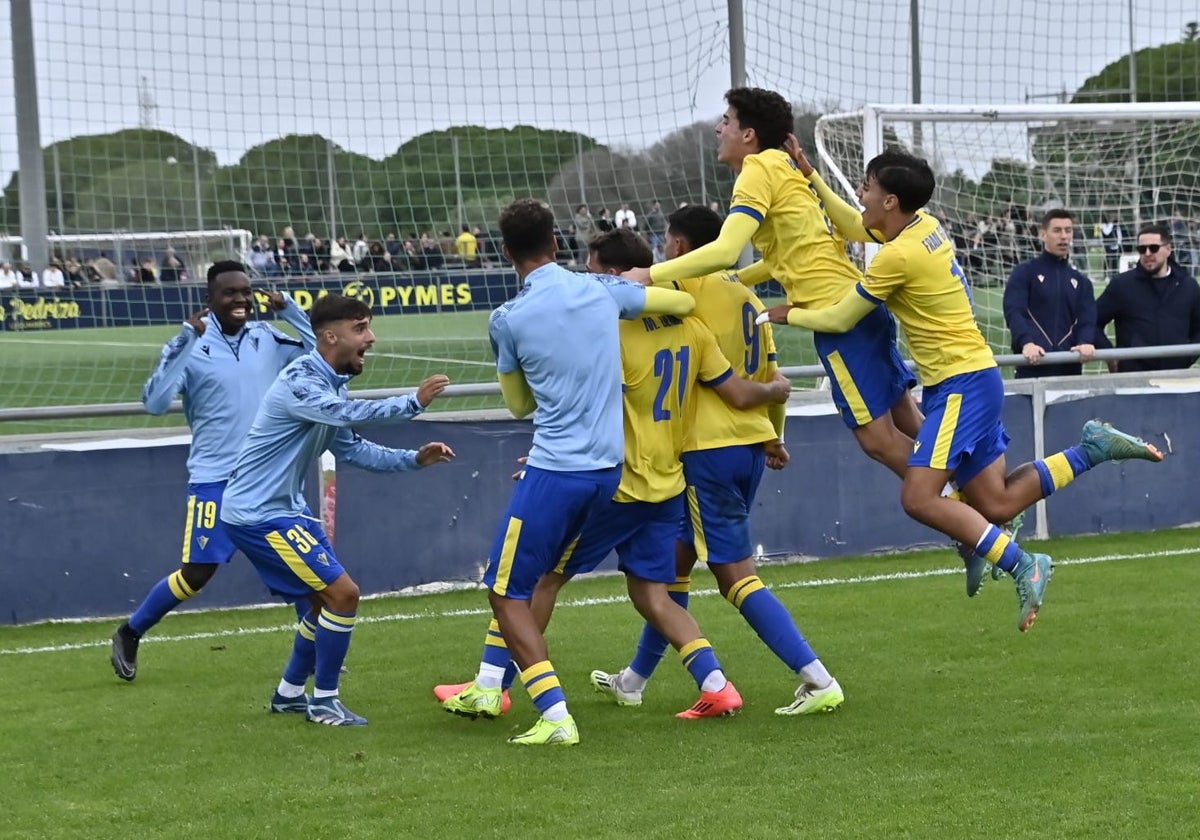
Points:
(1050, 303)
(1151, 312)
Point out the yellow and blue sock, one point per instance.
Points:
(771, 621)
(1061, 468)
(545, 690)
(998, 548)
(701, 661)
(332, 642)
(166, 595)
(496, 663)
(304, 652)
(653, 645)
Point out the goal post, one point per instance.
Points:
(1115, 166)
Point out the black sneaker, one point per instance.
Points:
(124, 652)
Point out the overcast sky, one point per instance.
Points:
(373, 73)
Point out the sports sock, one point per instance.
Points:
(700, 660)
(814, 674)
(544, 688)
(1061, 468)
(304, 656)
(653, 645)
(166, 595)
(494, 662)
(771, 621)
(332, 643)
(998, 548)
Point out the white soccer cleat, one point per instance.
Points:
(610, 684)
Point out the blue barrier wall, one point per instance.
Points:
(88, 533)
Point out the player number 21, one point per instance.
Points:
(670, 368)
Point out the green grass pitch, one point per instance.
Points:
(955, 725)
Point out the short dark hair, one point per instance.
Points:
(905, 176)
(1161, 230)
(698, 225)
(527, 228)
(768, 113)
(1056, 213)
(621, 249)
(223, 267)
(335, 307)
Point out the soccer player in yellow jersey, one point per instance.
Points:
(962, 437)
(775, 208)
(666, 363)
(723, 461)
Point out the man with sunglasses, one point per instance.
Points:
(1153, 304)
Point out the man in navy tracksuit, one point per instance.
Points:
(1049, 305)
(1153, 304)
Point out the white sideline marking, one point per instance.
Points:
(578, 602)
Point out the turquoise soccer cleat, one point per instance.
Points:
(1103, 442)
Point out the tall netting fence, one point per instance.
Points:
(367, 149)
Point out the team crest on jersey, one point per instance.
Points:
(1041, 278)
(203, 541)
(323, 559)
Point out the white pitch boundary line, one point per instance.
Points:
(581, 602)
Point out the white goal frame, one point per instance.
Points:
(874, 117)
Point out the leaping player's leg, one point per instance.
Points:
(963, 437)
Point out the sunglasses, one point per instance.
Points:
(1149, 249)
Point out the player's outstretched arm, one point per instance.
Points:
(352, 449)
(845, 216)
(745, 394)
(668, 302)
(839, 318)
(753, 274)
(716, 255)
(169, 376)
(312, 400)
(518, 396)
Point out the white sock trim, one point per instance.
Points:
(286, 689)
(489, 676)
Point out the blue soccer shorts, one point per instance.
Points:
(963, 431)
(721, 484)
(205, 536)
(865, 369)
(291, 554)
(642, 533)
(544, 516)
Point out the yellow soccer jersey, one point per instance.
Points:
(919, 278)
(796, 238)
(729, 310)
(663, 360)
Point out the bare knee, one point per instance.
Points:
(342, 595)
(195, 575)
(916, 503)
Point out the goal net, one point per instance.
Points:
(1000, 168)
